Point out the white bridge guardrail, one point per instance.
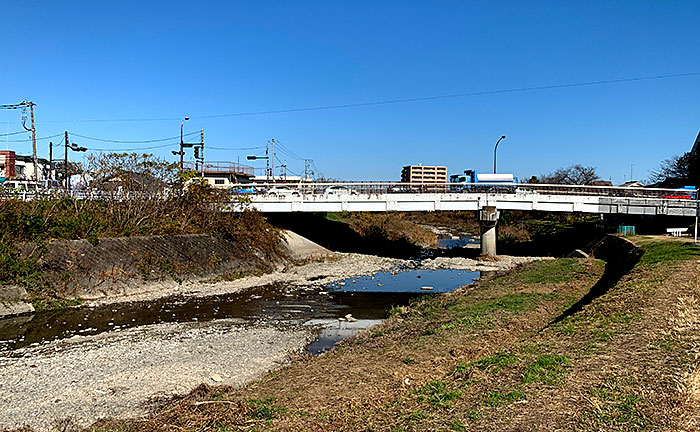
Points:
(396, 196)
(369, 188)
(383, 196)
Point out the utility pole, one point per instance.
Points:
(34, 157)
(50, 160)
(267, 161)
(65, 162)
(307, 168)
(285, 171)
(201, 149)
(273, 158)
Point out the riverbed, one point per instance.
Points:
(113, 355)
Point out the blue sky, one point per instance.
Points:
(82, 61)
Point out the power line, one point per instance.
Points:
(134, 142)
(29, 139)
(13, 133)
(404, 100)
(235, 149)
(136, 148)
(290, 153)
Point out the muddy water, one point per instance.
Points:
(367, 299)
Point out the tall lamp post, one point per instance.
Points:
(494, 152)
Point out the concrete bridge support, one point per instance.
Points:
(488, 217)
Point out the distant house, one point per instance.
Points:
(632, 184)
(20, 167)
(223, 174)
(601, 183)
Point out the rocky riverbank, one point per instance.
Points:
(116, 373)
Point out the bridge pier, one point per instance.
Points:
(488, 217)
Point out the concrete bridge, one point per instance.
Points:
(486, 199)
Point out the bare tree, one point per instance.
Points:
(573, 175)
(677, 171)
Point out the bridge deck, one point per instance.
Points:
(382, 202)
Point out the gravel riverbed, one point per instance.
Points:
(115, 374)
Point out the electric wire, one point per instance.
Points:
(234, 149)
(29, 139)
(13, 133)
(118, 150)
(287, 151)
(134, 142)
(403, 100)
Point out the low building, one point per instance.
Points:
(20, 167)
(223, 174)
(424, 174)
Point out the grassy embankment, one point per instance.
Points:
(498, 356)
(43, 221)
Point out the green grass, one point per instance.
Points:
(470, 312)
(264, 409)
(496, 399)
(549, 271)
(43, 304)
(547, 368)
(492, 364)
(657, 252)
(438, 394)
(614, 409)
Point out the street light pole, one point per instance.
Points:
(494, 153)
(182, 144)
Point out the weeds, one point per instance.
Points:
(551, 271)
(264, 409)
(496, 399)
(658, 252)
(492, 364)
(548, 368)
(614, 409)
(437, 394)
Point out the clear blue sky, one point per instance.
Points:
(140, 60)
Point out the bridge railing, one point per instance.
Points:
(383, 187)
(313, 189)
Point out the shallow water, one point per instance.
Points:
(450, 242)
(363, 298)
(408, 281)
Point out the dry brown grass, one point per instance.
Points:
(490, 357)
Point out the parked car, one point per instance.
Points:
(282, 191)
(340, 190)
(243, 190)
(676, 195)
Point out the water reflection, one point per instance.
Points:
(363, 298)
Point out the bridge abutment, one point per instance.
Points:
(488, 217)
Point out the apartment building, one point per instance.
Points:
(424, 174)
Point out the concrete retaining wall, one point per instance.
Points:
(79, 268)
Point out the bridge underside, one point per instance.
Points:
(487, 204)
